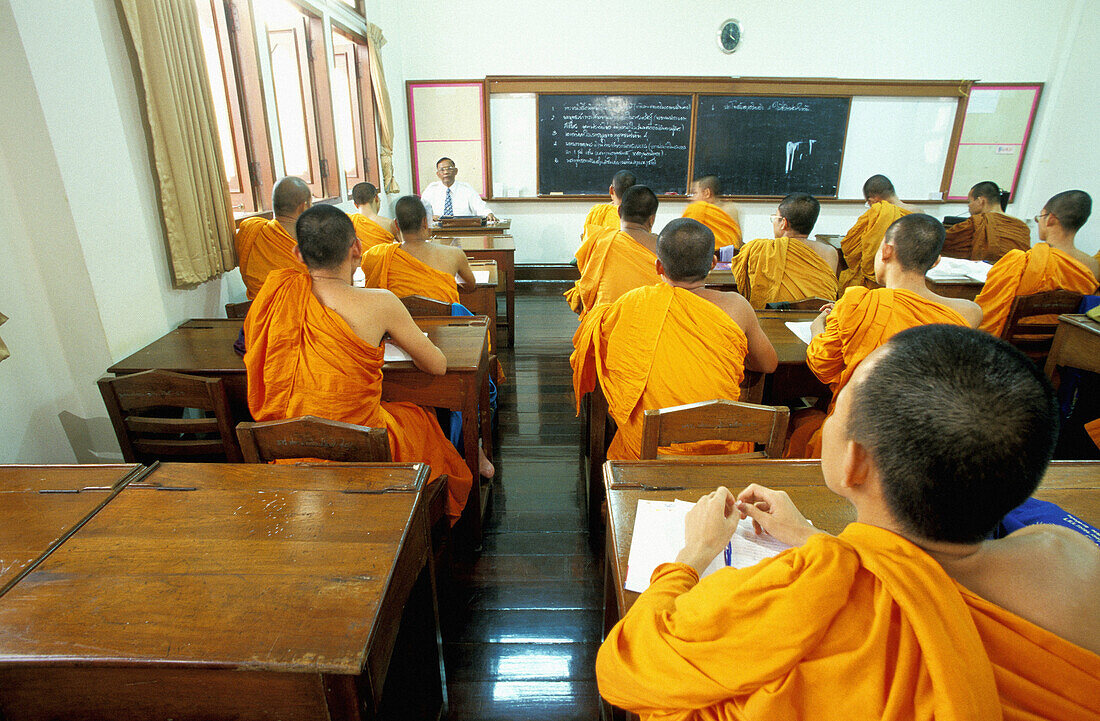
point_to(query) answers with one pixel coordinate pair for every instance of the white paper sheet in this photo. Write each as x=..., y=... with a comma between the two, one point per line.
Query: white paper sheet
x=394, y=352
x=801, y=329
x=659, y=536
x=951, y=268
x=481, y=277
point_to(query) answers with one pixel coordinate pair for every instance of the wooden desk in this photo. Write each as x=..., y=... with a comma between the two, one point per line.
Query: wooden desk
x=246, y=591
x=502, y=226
x=499, y=248
x=204, y=346
x=1073, y=485
x=721, y=279
x=961, y=287
x=1076, y=345
x=482, y=298
x=41, y=505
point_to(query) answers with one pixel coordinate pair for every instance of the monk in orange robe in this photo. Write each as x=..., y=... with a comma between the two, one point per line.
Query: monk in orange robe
x=862, y=240
x=370, y=227
x=908, y=614
x=671, y=343
x=612, y=262
x=315, y=348
x=266, y=245
x=1055, y=263
x=707, y=208
x=606, y=215
x=789, y=267
x=988, y=234
x=863, y=319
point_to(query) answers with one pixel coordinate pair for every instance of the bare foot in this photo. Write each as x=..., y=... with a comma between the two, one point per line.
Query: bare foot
x=484, y=465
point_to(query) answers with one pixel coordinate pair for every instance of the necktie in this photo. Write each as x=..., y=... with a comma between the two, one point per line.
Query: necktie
x=448, y=206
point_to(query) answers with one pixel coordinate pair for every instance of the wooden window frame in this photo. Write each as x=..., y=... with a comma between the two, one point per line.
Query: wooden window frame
x=364, y=127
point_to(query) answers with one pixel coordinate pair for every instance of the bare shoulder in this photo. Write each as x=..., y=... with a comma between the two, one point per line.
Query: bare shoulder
x=968, y=309
x=826, y=251
x=1088, y=261
x=732, y=304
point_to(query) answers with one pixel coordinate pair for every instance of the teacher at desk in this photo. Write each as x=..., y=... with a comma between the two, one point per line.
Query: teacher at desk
x=448, y=198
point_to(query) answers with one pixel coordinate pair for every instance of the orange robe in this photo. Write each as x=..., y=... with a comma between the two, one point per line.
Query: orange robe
x=369, y=232
x=1092, y=428
x=1022, y=272
x=986, y=236
x=611, y=263
x=862, y=241
x=395, y=269
x=782, y=269
x=865, y=625
x=860, y=322
x=656, y=347
x=304, y=359
x=725, y=228
x=605, y=215
x=263, y=246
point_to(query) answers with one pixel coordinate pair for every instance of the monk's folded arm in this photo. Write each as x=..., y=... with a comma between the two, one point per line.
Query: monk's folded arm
x=825, y=354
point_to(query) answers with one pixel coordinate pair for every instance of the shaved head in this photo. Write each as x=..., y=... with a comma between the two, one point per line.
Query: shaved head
x=410, y=213
x=289, y=194
x=918, y=239
x=801, y=211
x=325, y=234
x=711, y=183
x=623, y=181
x=1071, y=207
x=685, y=248
x=639, y=204
x=363, y=193
x=877, y=186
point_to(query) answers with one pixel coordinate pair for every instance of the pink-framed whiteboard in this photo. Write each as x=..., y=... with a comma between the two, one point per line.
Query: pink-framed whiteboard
x=996, y=129
x=447, y=119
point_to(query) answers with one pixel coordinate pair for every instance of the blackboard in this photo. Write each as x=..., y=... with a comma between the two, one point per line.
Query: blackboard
x=586, y=139
x=760, y=145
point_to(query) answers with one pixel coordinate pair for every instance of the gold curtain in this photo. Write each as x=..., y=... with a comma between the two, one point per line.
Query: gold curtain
x=375, y=42
x=194, y=195
x=3, y=348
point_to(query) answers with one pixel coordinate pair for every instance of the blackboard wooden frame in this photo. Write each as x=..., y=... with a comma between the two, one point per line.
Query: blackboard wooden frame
x=695, y=86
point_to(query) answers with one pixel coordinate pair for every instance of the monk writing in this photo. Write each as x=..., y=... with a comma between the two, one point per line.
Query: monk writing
x=864, y=319
x=315, y=348
x=789, y=267
x=671, y=343
x=862, y=240
x=907, y=614
x=606, y=215
x=1054, y=263
x=707, y=207
x=611, y=262
x=370, y=227
x=988, y=233
x=266, y=245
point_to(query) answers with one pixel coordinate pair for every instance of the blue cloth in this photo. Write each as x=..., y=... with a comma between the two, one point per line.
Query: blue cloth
x=454, y=429
x=1033, y=512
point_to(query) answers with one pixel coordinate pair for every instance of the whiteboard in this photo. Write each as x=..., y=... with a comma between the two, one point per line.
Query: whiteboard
x=904, y=138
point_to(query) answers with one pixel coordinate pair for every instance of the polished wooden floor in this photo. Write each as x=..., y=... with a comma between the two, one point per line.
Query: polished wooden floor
x=522, y=623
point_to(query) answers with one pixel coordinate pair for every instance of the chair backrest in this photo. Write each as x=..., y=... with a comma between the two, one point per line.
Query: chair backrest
x=312, y=437
x=146, y=410
x=752, y=387
x=237, y=310
x=418, y=305
x=715, y=420
x=1034, y=337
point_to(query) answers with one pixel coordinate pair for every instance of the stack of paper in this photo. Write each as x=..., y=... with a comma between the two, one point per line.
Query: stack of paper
x=950, y=268
x=801, y=329
x=659, y=537
x=481, y=277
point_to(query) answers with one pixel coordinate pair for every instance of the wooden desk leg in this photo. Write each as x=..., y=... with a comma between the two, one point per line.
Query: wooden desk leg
x=1055, y=355
x=508, y=267
x=485, y=413
x=597, y=454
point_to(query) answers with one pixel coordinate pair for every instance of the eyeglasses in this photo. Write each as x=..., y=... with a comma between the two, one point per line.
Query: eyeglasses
x=776, y=217
x=447, y=168
x=1040, y=216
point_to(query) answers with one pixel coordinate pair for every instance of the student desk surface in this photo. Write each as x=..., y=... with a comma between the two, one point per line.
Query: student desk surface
x=499, y=248
x=1073, y=485
x=204, y=346
x=225, y=591
x=502, y=226
x=482, y=298
x=1076, y=345
x=41, y=505
x=962, y=287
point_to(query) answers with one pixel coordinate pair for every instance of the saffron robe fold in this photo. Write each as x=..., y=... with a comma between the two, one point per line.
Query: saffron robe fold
x=865, y=625
x=725, y=228
x=1027, y=272
x=611, y=263
x=605, y=215
x=656, y=347
x=369, y=232
x=304, y=359
x=263, y=246
x=986, y=236
x=395, y=269
x=860, y=322
x=768, y=270
x=862, y=241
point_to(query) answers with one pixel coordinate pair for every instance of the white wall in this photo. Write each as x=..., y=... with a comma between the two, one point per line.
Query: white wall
x=1033, y=40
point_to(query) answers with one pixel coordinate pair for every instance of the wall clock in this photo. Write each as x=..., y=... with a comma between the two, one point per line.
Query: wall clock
x=729, y=35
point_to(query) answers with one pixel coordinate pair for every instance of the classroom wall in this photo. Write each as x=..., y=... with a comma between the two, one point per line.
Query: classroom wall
x=1033, y=40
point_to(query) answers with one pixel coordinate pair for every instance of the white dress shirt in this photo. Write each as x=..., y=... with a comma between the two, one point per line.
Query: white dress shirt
x=464, y=199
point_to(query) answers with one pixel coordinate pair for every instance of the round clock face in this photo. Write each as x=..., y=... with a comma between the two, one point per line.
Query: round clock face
x=729, y=36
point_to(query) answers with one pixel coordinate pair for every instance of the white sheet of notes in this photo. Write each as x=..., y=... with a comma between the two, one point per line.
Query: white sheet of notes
x=801, y=329
x=481, y=277
x=659, y=536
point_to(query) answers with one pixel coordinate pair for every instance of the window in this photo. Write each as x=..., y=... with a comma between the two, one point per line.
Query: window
x=353, y=104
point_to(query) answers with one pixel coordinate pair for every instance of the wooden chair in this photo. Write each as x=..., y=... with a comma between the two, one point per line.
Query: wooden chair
x=237, y=310
x=312, y=437
x=418, y=305
x=146, y=411
x=715, y=420
x=1034, y=337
